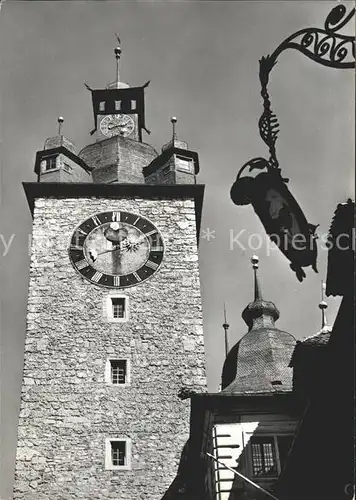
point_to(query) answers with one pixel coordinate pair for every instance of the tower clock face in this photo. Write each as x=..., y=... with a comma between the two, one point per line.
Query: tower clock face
x=116, y=249
x=119, y=124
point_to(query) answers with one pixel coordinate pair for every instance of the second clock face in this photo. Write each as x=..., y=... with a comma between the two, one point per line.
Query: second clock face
x=116, y=249
x=119, y=124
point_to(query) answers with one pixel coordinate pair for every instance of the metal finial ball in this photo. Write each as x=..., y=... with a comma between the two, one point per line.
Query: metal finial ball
x=255, y=260
x=117, y=51
x=323, y=305
x=173, y=119
x=60, y=119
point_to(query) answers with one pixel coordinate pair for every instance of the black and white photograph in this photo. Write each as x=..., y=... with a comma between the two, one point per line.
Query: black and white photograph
x=177, y=249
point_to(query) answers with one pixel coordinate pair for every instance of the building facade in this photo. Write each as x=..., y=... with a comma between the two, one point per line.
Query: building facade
x=111, y=338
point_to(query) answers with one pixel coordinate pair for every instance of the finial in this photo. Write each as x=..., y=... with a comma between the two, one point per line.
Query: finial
x=174, y=121
x=323, y=306
x=117, y=52
x=255, y=261
x=226, y=327
x=60, y=121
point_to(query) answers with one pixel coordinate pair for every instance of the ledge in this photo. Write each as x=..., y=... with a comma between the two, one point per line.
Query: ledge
x=35, y=190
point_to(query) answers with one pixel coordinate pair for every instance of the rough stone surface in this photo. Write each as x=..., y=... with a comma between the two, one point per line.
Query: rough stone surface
x=67, y=171
x=67, y=410
x=118, y=159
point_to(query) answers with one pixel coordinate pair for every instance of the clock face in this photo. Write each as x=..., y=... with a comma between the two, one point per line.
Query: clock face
x=116, y=249
x=118, y=124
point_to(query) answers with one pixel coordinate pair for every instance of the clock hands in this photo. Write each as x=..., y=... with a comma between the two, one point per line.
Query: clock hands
x=127, y=246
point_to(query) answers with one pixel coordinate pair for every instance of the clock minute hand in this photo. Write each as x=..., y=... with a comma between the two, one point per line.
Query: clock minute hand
x=95, y=255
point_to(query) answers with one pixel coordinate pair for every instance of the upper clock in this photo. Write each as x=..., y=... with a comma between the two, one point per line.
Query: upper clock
x=118, y=124
x=116, y=249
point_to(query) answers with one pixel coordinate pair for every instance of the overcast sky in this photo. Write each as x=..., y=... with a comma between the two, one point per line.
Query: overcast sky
x=202, y=60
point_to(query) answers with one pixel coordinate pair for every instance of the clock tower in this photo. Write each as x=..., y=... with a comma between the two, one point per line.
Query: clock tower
x=114, y=324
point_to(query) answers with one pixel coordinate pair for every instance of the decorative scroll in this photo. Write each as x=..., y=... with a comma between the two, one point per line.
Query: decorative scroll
x=268, y=190
x=325, y=46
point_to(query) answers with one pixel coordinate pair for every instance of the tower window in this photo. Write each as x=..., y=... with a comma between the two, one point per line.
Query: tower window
x=118, y=105
x=133, y=105
x=116, y=308
x=118, y=371
x=51, y=163
x=264, y=462
x=118, y=453
x=102, y=106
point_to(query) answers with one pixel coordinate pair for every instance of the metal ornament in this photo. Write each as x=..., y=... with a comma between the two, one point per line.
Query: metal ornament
x=278, y=210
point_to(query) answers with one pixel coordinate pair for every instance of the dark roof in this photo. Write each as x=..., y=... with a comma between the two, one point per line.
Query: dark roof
x=341, y=255
x=262, y=360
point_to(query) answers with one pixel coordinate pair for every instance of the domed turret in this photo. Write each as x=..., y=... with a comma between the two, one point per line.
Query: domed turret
x=259, y=362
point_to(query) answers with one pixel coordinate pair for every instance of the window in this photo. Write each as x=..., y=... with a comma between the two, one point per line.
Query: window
x=118, y=371
x=165, y=171
x=51, y=163
x=102, y=106
x=133, y=105
x=264, y=462
x=118, y=307
x=118, y=453
x=184, y=164
x=67, y=167
x=118, y=105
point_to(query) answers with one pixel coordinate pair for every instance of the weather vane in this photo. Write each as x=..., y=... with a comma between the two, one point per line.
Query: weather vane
x=278, y=210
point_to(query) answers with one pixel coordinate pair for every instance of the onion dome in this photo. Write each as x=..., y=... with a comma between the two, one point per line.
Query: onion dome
x=259, y=362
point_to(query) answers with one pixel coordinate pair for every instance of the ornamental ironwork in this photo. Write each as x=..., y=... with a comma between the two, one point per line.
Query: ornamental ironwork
x=278, y=210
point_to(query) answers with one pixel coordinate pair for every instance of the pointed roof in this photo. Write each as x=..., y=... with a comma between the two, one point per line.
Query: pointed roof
x=259, y=362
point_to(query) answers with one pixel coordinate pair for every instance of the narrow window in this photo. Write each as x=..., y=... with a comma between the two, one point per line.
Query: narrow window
x=102, y=106
x=117, y=453
x=51, y=163
x=118, y=105
x=118, y=307
x=118, y=371
x=133, y=105
x=264, y=463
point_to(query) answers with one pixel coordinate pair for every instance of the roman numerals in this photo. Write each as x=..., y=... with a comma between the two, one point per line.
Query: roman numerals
x=100, y=250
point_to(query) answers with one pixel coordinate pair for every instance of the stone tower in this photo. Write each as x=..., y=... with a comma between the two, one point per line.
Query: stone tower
x=114, y=325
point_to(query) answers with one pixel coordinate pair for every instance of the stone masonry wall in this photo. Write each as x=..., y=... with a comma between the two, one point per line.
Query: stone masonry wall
x=67, y=410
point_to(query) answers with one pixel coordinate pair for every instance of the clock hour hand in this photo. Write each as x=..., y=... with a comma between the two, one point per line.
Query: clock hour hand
x=94, y=254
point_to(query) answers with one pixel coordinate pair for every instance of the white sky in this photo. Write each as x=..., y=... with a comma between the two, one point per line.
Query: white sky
x=202, y=60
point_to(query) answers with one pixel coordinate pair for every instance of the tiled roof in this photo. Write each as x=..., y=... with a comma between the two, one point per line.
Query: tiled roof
x=262, y=361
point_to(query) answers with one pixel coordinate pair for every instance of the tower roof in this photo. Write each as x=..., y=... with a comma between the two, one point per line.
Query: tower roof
x=259, y=362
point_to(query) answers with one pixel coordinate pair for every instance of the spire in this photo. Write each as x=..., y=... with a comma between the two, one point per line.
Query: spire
x=260, y=312
x=117, y=52
x=258, y=293
x=226, y=327
x=174, y=142
x=174, y=121
x=60, y=120
x=117, y=84
x=323, y=306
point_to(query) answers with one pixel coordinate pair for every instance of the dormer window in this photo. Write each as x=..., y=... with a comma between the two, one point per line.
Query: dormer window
x=50, y=163
x=102, y=106
x=184, y=164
